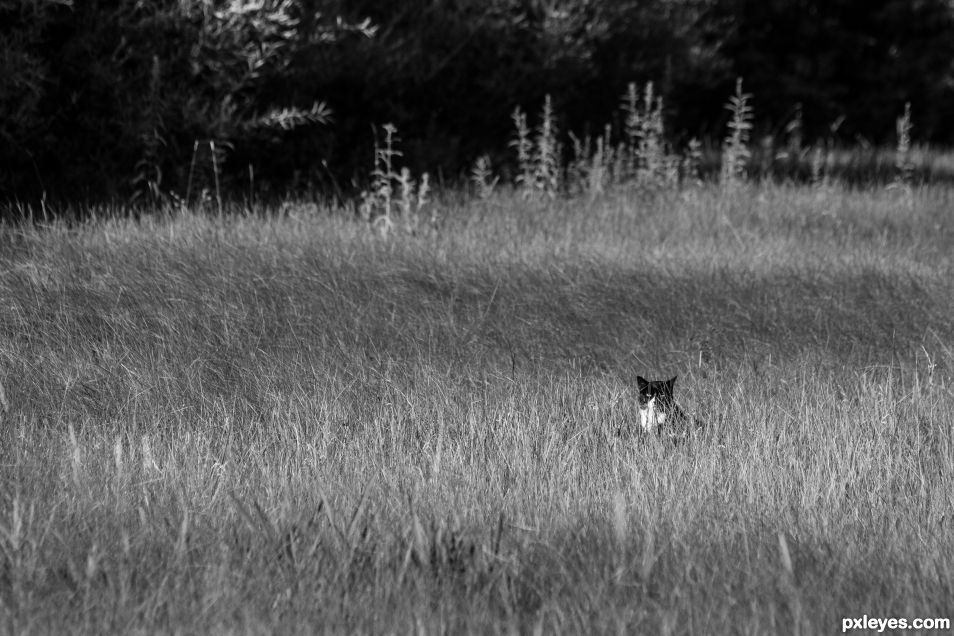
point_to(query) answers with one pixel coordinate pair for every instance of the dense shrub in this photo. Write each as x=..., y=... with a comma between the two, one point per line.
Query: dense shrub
x=110, y=97
x=114, y=95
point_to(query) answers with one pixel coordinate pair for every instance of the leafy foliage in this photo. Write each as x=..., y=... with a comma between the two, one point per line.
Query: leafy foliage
x=735, y=149
x=109, y=97
x=105, y=85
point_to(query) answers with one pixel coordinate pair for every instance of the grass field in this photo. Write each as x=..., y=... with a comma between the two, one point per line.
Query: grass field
x=284, y=423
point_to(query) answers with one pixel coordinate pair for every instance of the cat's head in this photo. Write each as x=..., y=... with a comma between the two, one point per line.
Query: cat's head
x=660, y=390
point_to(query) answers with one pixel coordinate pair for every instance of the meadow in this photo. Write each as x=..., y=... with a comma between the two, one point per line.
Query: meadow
x=284, y=422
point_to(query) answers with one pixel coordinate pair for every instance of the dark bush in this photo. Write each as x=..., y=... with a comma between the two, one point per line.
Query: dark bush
x=106, y=98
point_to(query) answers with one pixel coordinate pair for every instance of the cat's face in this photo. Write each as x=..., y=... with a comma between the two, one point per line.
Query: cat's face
x=660, y=390
x=655, y=398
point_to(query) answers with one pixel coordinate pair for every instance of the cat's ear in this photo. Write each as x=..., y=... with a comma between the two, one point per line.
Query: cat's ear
x=642, y=383
x=670, y=383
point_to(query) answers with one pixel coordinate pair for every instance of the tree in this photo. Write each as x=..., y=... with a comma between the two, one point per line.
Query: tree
x=97, y=87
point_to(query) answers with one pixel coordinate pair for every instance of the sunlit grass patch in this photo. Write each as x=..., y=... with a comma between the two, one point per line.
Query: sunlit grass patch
x=287, y=422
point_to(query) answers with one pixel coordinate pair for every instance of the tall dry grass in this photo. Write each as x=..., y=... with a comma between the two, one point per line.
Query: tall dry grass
x=284, y=423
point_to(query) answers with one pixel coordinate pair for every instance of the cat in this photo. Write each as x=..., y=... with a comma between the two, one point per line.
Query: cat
x=658, y=412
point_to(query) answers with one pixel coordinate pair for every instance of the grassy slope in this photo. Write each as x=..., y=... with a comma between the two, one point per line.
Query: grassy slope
x=284, y=423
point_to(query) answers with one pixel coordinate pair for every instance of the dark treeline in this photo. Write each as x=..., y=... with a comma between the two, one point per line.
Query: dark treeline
x=105, y=98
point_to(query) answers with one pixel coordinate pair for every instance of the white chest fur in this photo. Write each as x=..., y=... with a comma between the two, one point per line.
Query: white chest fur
x=651, y=418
